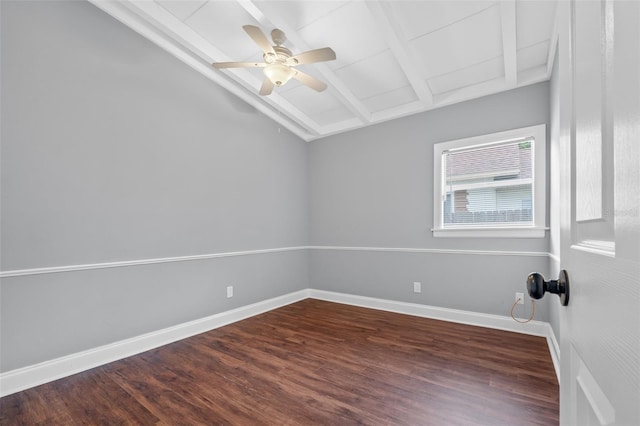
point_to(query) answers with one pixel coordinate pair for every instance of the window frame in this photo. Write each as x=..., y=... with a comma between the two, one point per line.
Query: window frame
x=539, y=186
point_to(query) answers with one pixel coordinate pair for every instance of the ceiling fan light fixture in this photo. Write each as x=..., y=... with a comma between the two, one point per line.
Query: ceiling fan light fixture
x=278, y=73
x=279, y=62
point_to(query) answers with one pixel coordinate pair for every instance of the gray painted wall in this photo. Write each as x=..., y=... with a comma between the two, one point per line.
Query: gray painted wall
x=49, y=316
x=476, y=283
x=373, y=188
x=108, y=139
x=113, y=150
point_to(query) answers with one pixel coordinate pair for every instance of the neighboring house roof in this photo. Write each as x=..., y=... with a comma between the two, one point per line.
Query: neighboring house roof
x=501, y=160
x=526, y=164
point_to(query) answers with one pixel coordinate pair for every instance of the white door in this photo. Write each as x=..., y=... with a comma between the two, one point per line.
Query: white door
x=599, y=139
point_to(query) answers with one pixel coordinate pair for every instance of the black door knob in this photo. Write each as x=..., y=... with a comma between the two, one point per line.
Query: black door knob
x=537, y=286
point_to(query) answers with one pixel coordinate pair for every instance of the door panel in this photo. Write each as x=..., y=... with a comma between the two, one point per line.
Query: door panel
x=599, y=136
x=592, y=405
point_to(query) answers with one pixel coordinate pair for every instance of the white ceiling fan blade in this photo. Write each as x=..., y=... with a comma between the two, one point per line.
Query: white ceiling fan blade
x=267, y=87
x=317, y=55
x=238, y=65
x=307, y=80
x=258, y=36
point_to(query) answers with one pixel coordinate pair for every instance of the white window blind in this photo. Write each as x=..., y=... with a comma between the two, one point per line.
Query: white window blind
x=488, y=185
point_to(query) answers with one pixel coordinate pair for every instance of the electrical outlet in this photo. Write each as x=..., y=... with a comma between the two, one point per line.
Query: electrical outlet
x=417, y=287
x=519, y=298
x=229, y=291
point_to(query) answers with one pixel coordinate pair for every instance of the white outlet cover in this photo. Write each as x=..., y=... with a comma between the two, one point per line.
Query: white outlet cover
x=417, y=287
x=229, y=291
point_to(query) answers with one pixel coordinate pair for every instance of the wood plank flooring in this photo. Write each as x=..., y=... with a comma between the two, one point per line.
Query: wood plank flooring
x=312, y=362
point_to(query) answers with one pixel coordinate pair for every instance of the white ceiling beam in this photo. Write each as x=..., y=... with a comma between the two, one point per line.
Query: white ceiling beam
x=385, y=17
x=336, y=86
x=141, y=23
x=255, y=11
x=340, y=126
x=469, y=92
x=192, y=49
x=509, y=42
x=489, y=87
x=400, y=111
x=533, y=75
x=553, y=44
x=194, y=42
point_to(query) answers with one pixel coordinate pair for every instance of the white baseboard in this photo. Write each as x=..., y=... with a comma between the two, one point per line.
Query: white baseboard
x=554, y=350
x=27, y=377
x=535, y=328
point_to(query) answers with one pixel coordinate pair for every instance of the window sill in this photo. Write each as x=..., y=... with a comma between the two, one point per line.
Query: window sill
x=514, y=232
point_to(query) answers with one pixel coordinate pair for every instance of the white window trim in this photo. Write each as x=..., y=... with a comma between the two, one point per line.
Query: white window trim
x=538, y=229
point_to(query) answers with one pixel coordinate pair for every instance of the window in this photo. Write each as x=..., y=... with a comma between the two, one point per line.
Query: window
x=491, y=185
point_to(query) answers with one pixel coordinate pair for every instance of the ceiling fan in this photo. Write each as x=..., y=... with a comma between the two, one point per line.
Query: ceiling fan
x=279, y=62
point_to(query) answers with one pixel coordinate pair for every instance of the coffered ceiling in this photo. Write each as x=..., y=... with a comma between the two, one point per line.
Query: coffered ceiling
x=394, y=58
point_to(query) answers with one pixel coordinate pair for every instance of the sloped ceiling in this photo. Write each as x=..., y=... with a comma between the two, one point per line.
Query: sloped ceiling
x=394, y=58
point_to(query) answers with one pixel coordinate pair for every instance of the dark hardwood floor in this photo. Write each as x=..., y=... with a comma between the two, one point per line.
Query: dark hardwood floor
x=312, y=362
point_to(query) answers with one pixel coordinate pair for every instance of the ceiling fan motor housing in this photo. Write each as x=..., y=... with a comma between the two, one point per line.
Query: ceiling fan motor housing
x=278, y=36
x=282, y=55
